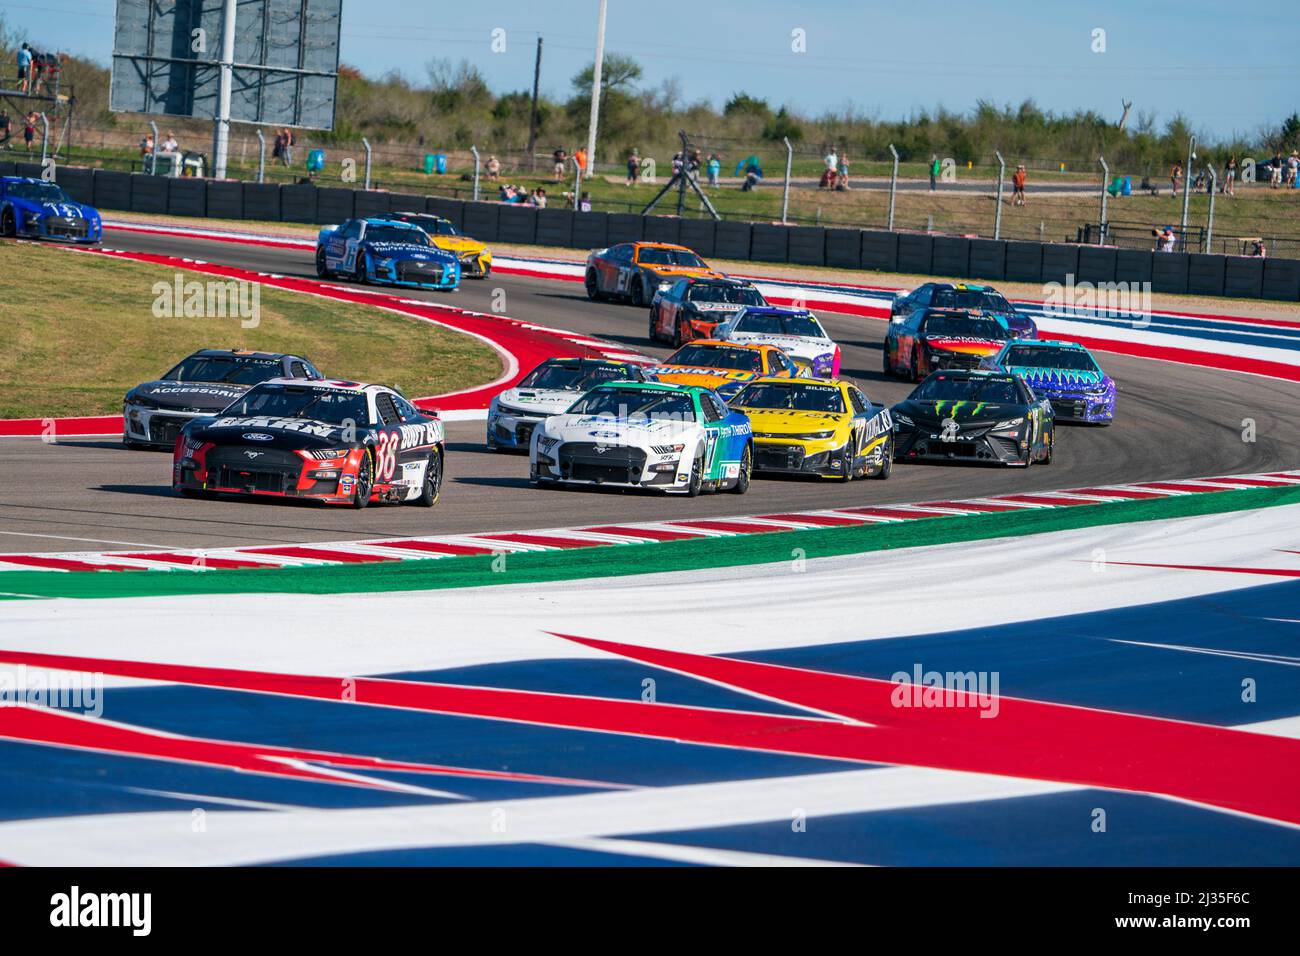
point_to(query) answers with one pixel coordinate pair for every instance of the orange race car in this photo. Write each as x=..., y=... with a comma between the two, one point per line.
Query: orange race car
x=725, y=367
x=635, y=271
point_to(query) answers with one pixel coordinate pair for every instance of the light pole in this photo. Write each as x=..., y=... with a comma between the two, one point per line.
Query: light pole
x=1101, y=225
x=1209, y=222
x=595, y=87
x=1187, y=189
x=1002, y=172
x=893, y=186
x=261, y=155
x=221, y=132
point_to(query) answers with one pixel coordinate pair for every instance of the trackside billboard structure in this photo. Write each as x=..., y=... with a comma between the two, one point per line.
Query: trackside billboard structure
x=253, y=61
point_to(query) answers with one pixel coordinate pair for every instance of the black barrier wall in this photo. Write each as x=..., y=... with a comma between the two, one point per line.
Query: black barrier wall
x=876, y=250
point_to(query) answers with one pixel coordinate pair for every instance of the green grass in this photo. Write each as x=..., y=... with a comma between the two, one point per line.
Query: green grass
x=631, y=559
x=78, y=330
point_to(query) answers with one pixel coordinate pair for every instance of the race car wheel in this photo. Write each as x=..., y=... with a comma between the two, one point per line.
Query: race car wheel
x=8, y=227
x=638, y=294
x=680, y=337
x=321, y=270
x=365, y=480
x=593, y=287
x=886, y=460
x=916, y=369
x=884, y=359
x=654, y=323
x=697, y=478
x=849, y=456
x=746, y=469
x=432, y=489
x=1051, y=445
x=359, y=269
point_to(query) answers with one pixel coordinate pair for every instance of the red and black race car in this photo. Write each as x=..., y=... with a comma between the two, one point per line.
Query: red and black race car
x=341, y=443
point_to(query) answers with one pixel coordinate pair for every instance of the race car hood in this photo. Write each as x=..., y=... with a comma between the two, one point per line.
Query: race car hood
x=201, y=396
x=678, y=272
x=279, y=433
x=716, y=311
x=773, y=421
x=408, y=250
x=607, y=430
x=458, y=244
x=69, y=210
x=539, y=401
x=700, y=375
x=799, y=346
x=964, y=345
x=963, y=412
x=1058, y=379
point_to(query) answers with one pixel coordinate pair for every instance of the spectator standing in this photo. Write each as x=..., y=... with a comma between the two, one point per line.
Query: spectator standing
x=493, y=167
x=715, y=166
x=29, y=130
x=1018, y=186
x=539, y=197
x=1257, y=250
x=934, y=170
x=1176, y=176
x=633, y=166
x=584, y=202
x=1292, y=167
x=277, y=148
x=678, y=164
x=560, y=157
x=693, y=163
x=1275, y=169
x=831, y=159
x=842, y=173
x=6, y=133
x=286, y=153
x=52, y=67
x=24, y=67
x=580, y=157
x=1229, y=175
x=169, y=145
x=1166, y=239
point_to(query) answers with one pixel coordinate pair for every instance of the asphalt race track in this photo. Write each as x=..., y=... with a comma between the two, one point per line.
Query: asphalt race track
x=1173, y=422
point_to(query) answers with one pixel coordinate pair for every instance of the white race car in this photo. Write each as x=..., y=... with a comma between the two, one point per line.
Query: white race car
x=678, y=438
x=794, y=331
x=548, y=390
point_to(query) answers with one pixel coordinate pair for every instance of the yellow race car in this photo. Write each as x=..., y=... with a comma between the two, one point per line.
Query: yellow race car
x=817, y=426
x=724, y=367
x=475, y=257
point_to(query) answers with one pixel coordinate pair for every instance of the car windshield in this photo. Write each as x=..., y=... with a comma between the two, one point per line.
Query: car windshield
x=775, y=323
x=231, y=369
x=793, y=396
x=636, y=403
x=575, y=376
x=965, y=326
x=970, y=299
x=334, y=406
x=1040, y=356
x=433, y=225
x=712, y=356
x=943, y=388
x=38, y=192
x=407, y=234
x=670, y=257
x=732, y=294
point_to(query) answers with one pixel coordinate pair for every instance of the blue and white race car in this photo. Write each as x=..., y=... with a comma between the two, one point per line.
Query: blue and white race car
x=1064, y=373
x=35, y=209
x=385, y=252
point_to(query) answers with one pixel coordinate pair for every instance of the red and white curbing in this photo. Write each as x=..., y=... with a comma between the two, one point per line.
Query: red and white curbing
x=380, y=550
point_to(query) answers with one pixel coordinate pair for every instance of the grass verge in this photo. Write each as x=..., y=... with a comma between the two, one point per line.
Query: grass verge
x=79, y=330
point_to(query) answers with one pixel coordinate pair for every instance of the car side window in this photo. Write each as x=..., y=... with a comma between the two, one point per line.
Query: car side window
x=857, y=400
x=298, y=370
x=404, y=408
x=922, y=296
x=713, y=411
x=352, y=229
x=387, y=410
x=679, y=290
x=781, y=363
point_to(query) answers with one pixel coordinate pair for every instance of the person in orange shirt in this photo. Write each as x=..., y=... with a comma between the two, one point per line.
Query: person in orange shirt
x=1018, y=186
x=580, y=157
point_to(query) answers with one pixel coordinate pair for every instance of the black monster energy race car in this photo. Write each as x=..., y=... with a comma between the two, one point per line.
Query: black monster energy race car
x=974, y=416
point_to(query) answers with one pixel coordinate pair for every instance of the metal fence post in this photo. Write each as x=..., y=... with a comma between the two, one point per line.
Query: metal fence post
x=366, y=143
x=577, y=185
x=1187, y=189
x=785, y=196
x=474, y=150
x=1209, y=222
x=1101, y=223
x=1002, y=172
x=893, y=186
x=261, y=155
x=45, y=138
x=153, y=155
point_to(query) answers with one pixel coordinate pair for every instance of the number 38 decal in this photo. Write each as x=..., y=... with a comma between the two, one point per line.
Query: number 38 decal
x=386, y=455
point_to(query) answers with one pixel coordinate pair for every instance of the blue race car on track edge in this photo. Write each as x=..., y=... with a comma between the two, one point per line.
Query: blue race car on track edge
x=385, y=252
x=35, y=209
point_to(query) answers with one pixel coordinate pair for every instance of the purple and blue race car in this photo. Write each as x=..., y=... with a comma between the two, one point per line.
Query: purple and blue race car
x=1064, y=373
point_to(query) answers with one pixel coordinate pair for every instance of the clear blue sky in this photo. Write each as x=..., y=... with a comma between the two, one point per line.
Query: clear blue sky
x=1227, y=66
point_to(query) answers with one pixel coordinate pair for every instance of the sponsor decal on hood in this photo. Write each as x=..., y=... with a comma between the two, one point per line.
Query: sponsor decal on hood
x=197, y=395
x=1057, y=377
x=67, y=210
x=410, y=250
x=285, y=426
x=967, y=345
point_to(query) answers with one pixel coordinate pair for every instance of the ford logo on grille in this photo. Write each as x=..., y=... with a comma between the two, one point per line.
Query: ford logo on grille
x=603, y=434
x=257, y=436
